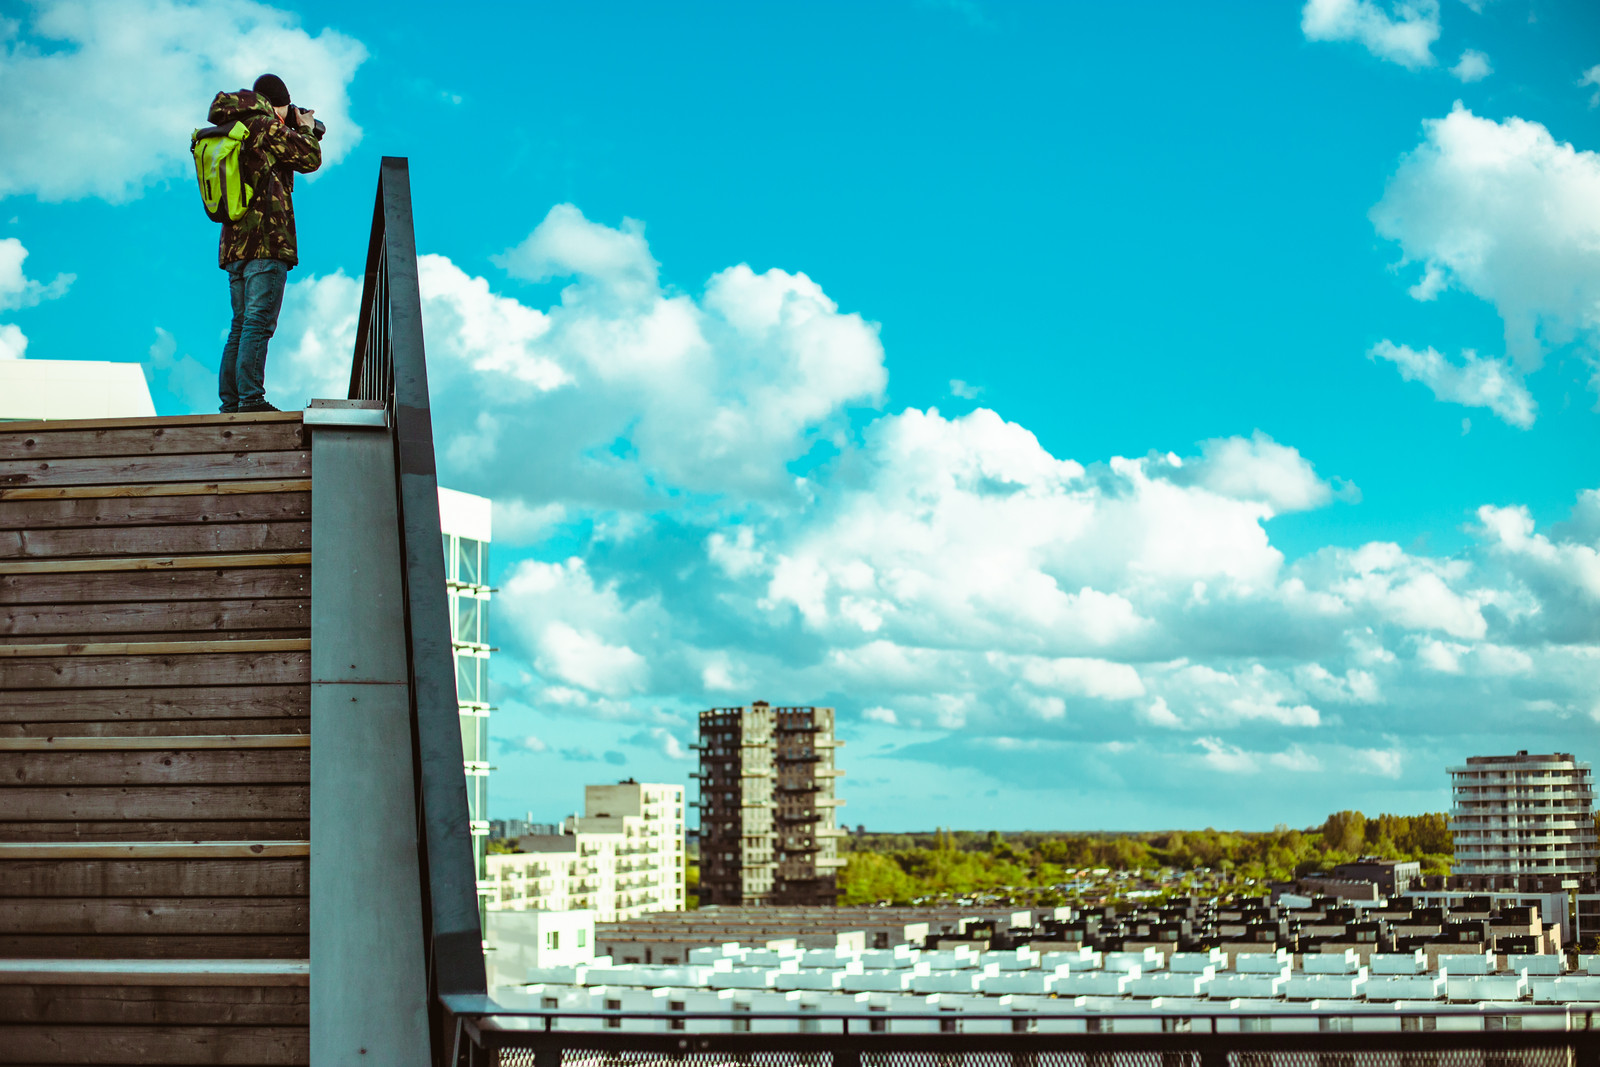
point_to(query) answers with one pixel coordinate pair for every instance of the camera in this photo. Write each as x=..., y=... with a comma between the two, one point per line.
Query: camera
x=317, y=126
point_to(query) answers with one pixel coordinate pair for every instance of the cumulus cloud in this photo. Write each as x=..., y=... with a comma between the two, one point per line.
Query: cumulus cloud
x=1503, y=211
x=1403, y=34
x=181, y=375
x=72, y=128
x=660, y=740
x=1258, y=468
x=1473, y=66
x=1592, y=77
x=627, y=391
x=1475, y=382
x=1034, y=617
x=13, y=342
x=17, y=290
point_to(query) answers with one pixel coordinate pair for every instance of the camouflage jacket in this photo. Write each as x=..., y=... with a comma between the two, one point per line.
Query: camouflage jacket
x=268, y=161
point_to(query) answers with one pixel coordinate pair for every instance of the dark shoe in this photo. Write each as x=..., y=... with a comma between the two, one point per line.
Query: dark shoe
x=259, y=405
x=229, y=409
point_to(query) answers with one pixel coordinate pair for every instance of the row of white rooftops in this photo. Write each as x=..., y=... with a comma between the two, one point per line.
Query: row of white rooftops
x=1212, y=976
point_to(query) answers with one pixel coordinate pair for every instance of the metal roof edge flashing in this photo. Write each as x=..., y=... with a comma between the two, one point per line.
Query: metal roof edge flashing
x=348, y=414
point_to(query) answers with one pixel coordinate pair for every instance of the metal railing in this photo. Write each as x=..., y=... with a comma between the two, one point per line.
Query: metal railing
x=390, y=366
x=488, y=1034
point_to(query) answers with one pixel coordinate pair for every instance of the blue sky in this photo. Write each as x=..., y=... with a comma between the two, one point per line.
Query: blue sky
x=1127, y=416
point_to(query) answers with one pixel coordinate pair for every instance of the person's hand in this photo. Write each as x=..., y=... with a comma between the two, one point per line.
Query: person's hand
x=305, y=117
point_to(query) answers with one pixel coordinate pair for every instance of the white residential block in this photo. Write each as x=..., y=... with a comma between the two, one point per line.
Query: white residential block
x=1486, y=987
x=1302, y=986
x=1261, y=962
x=1397, y=963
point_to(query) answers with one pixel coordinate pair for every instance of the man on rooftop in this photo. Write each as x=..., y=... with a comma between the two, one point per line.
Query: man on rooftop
x=258, y=250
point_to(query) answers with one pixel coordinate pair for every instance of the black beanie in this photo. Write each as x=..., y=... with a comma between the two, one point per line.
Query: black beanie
x=271, y=86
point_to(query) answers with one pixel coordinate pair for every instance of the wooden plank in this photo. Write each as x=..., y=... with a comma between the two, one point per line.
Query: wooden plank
x=204, y=878
x=157, y=802
x=143, y=973
x=108, y=1004
x=156, y=563
x=112, y=470
x=160, y=767
x=302, y=633
x=49, y=620
x=231, y=537
x=158, y=489
x=156, y=916
x=256, y=851
x=154, y=728
x=132, y=744
x=96, y=672
x=138, y=705
x=103, y=513
x=151, y=648
x=144, y=421
x=275, y=436
x=164, y=830
x=155, y=947
x=262, y=1046
x=145, y=586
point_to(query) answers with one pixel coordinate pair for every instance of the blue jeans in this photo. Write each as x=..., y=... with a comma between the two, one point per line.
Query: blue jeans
x=256, y=287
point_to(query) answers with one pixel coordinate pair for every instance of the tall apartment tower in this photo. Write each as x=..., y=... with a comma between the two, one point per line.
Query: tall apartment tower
x=767, y=806
x=464, y=521
x=1518, y=818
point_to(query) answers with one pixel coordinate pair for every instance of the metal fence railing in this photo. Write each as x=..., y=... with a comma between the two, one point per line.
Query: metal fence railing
x=390, y=365
x=486, y=1033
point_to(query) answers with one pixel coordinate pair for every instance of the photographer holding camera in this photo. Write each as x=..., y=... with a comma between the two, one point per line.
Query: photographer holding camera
x=258, y=249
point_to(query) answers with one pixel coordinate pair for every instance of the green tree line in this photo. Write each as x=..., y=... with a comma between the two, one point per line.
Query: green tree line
x=900, y=868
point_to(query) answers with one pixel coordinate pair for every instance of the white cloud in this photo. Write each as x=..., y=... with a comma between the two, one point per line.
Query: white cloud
x=1404, y=34
x=627, y=392
x=1082, y=677
x=948, y=576
x=1230, y=759
x=1475, y=382
x=17, y=290
x=1295, y=758
x=1473, y=66
x=183, y=376
x=965, y=390
x=660, y=740
x=311, y=352
x=1505, y=212
x=1592, y=77
x=13, y=343
x=1385, y=763
x=578, y=632
x=1259, y=468
x=74, y=125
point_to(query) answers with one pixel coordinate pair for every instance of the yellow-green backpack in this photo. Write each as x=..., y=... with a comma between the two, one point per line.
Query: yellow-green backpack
x=223, y=190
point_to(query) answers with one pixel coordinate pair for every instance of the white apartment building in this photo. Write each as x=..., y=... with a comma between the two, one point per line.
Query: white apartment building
x=464, y=523
x=1517, y=818
x=623, y=858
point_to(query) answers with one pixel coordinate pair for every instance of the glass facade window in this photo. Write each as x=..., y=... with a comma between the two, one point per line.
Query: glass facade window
x=466, y=561
x=470, y=688
x=469, y=561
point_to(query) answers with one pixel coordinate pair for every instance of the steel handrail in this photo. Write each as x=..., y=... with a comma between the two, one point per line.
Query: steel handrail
x=390, y=365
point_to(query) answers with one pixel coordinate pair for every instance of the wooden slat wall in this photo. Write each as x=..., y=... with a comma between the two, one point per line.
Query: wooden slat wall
x=143, y=563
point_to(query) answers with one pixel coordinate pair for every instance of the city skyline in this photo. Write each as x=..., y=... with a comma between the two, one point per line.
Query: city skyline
x=1122, y=422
